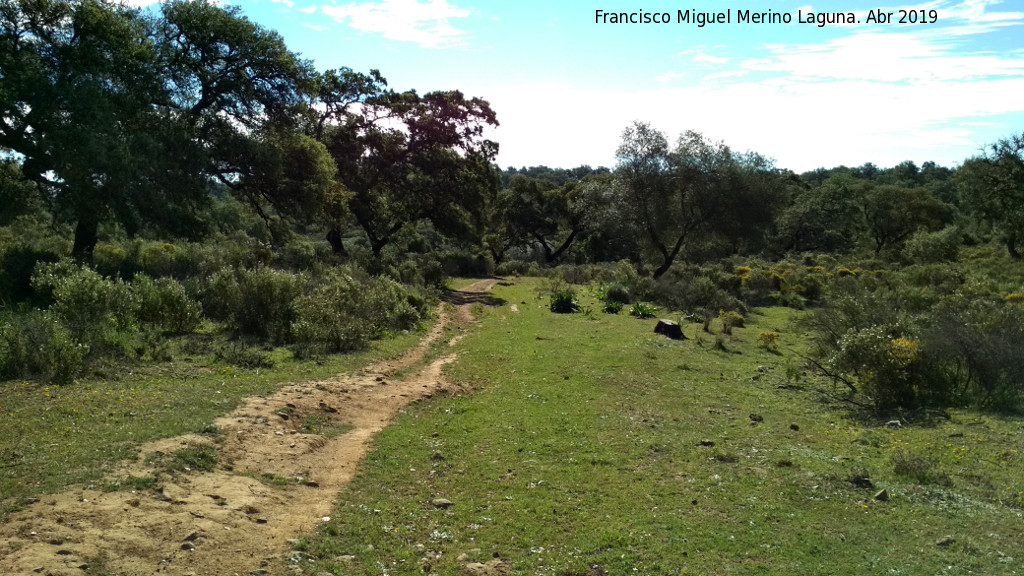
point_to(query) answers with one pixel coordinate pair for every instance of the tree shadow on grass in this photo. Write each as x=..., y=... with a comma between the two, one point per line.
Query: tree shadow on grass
x=460, y=298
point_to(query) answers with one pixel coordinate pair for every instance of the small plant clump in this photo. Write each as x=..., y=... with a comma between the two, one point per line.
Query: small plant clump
x=611, y=307
x=730, y=320
x=769, y=341
x=564, y=302
x=642, y=310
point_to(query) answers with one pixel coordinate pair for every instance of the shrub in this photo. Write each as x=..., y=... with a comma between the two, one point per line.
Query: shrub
x=791, y=300
x=932, y=247
x=564, y=302
x=730, y=320
x=258, y=302
x=349, y=309
x=617, y=293
x=88, y=304
x=243, y=356
x=163, y=303
x=17, y=264
x=512, y=268
x=692, y=289
x=919, y=468
x=35, y=343
x=642, y=310
x=769, y=341
x=611, y=307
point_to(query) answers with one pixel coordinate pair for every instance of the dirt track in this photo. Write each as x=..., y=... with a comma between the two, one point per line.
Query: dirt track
x=229, y=522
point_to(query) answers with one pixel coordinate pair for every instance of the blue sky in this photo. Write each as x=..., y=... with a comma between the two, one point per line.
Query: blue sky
x=564, y=87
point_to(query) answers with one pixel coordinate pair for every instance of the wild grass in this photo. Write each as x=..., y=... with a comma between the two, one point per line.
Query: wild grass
x=592, y=441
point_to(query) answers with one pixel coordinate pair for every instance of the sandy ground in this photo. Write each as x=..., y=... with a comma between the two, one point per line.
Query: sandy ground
x=229, y=521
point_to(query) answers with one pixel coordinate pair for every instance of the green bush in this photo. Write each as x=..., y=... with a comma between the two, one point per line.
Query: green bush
x=642, y=310
x=164, y=304
x=349, y=309
x=91, y=306
x=933, y=247
x=730, y=320
x=243, y=356
x=33, y=343
x=617, y=293
x=906, y=347
x=258, y=302
x=611, y=307
x=564, y=302
x=692, y=289
x=512, y=268
x=17, y=263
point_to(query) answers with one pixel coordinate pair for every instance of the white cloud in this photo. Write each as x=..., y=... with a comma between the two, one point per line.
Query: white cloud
x=702, y=57
x=802, y=125
x=883, y=57
x=726, y=74
x=423, y=22
x=287, y=3
x=308, y=9
x=670, y=77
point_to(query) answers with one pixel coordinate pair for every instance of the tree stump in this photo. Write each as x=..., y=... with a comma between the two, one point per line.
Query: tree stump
x=670, y=329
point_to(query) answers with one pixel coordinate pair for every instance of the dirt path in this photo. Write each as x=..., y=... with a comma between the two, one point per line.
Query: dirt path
x=229, y=522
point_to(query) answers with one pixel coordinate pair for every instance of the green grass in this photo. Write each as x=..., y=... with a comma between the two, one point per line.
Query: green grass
x=593, y=441
x=194, y=457
x=55, y=436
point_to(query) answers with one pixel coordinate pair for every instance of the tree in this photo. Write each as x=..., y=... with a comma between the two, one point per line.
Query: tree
x=992, y=188
x=696, y=191
x=18, y=195
x=824, y=218
x=406, y=157
x=539, y=212
x=893, y=213
x=126, y=118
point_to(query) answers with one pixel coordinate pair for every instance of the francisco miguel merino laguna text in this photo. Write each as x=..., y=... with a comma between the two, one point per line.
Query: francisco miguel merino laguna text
x=769, y=17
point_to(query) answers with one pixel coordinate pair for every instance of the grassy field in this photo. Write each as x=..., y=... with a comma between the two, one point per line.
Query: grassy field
x=55, y=436
x=593, y=445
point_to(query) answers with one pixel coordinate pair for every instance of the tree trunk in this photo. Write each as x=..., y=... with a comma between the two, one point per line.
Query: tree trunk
x=669, y=257
x=552, y=256
x=337, y=246
x=85, y=239
x=1011, y=245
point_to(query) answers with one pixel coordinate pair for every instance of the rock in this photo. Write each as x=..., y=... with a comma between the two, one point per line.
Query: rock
x=188, y=546
x=344, y=558
x=670, y=329
x=261, y=520
x=794, y=427
x=756, y=418
x=894, y=424
x=945, y=541
x=862, y=481
x=882, y=495
x=493, y=568
x=441, y=502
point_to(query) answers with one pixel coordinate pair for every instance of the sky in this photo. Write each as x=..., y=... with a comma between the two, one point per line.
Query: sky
x=564, y=85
